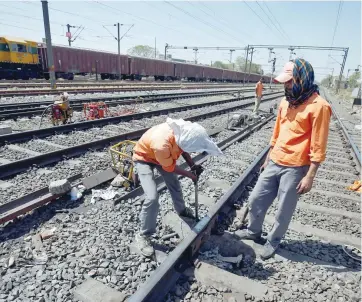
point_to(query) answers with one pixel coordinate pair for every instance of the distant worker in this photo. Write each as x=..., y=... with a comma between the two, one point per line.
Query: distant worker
x=298, y=146
x=159, y=148
x=258, y=95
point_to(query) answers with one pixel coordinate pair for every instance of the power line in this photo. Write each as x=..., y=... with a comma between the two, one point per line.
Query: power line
x=226, y=24
x=337, y=21
x=141, y=18
x=265, y=3
x=27, y=28
x=196, y=18
x=255, y=13
x=270, y=20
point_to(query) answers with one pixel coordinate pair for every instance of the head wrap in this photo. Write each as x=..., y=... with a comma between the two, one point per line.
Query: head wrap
x=192, y=137
x=302, y=83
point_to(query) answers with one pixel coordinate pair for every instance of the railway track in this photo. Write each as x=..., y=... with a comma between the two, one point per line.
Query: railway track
x=32, y=155
x=48, y=91
x=74, y=222
x=318, y=258
x=312, y=264
x=29, y=109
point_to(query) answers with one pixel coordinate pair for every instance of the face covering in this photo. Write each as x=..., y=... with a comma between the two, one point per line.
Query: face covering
x=192, y=137
x=302, y=84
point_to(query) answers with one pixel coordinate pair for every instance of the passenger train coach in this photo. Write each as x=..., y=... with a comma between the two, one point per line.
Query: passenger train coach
x=24, y=59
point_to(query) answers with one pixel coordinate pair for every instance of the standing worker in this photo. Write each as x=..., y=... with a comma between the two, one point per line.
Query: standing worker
x=258, y=94
x=159, y=148
x=298, y=146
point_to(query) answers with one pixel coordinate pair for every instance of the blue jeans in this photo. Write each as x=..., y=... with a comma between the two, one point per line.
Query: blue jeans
x=275, y=181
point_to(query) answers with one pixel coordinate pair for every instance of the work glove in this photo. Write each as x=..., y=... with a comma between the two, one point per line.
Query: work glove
x=197, y=170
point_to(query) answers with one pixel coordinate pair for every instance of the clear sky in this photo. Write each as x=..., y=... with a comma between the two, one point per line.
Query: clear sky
x=199, y=23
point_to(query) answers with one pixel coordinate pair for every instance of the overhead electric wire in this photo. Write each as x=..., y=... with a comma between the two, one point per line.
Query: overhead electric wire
x=198, y=19
x=276, y=20
x=271, y=20
x=134, y=16
x=255, y=13
x=335, y=26
x=226, y=24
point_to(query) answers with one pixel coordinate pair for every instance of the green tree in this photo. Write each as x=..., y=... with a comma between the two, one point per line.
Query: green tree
x=143, y=51
x=240, y=66
x=327, y=81
x=353, y=79
x=219, y=64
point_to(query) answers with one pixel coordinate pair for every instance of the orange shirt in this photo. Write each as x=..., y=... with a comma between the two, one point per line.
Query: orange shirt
x=300, y=134
x=259, y=89
x=158, y=146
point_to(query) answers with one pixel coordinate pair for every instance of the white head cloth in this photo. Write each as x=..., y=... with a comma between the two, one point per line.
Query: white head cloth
x=192, y=137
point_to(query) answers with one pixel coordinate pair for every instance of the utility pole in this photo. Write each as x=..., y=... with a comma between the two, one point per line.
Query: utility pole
x=273, y=70
x=231, y=56
x=195, y=50
x=166, y=46
x=246, y=64
x=155, y=49
x=69, y=34
x=251, y=61
x=291, y=54
x=48, y=38
x=342, y=68
x=119, y=52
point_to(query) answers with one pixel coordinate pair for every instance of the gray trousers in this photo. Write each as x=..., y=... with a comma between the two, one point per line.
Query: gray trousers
x=275, y=181
x=257, y=103
x=150, y=207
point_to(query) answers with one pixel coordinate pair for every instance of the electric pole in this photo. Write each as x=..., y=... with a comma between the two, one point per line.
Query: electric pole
x=119, y=51
x=155, y=49
x=251, y=61
x=195, y=50
x=231, y=56
x=48, y=38
x=69, y=34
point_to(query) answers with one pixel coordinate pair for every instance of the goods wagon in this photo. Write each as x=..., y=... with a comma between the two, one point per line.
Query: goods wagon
x=69, y=61
x=212, y=74
x=230, y=76
x=189, y=72
x=25, y=59
x=143, y=67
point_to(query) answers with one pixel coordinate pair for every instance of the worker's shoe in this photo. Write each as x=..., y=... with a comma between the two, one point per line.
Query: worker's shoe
x=144, y=244
x=247, y=235
x=188, y=213
x=268, y=250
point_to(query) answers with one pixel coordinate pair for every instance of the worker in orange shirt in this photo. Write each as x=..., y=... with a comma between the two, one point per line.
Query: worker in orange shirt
x=258, y=95
x=159, y=148
x=297, y=147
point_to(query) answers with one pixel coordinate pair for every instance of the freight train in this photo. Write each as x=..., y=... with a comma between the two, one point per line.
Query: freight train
x=24, y=59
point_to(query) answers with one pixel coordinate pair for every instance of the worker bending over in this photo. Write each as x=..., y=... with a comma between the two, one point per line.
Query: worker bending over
x=159, y=148
x=258, y=94
x=298, y=146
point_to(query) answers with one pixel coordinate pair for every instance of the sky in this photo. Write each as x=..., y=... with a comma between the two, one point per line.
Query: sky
x=230, y=24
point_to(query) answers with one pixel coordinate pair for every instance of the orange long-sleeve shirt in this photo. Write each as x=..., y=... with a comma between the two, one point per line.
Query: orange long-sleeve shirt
x=158, y=146
x=300, y=134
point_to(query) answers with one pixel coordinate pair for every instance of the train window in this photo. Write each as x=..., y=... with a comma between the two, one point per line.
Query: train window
x=34, y=50
x=4, y=47
x=21, y=48
x=14, y=47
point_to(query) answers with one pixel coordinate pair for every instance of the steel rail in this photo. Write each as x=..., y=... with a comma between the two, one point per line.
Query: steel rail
x=29, y=112
x=356, y=153
x=16, y=167
x=27, y=135
x=24, y=204
x=7, y=93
